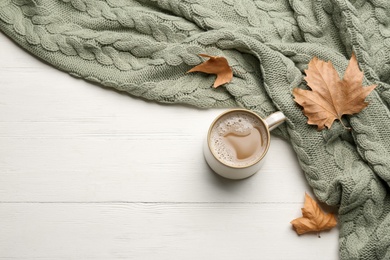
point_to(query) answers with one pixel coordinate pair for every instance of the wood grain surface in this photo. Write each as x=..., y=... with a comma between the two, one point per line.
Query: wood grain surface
x=90, y=173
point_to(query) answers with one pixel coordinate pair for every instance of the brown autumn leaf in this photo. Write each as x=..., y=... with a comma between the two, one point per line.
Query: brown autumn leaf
x=313, y=218
x=331, y=97
x=215, y=65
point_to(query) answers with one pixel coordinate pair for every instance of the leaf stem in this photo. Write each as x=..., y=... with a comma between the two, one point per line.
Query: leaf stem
x=345, y=127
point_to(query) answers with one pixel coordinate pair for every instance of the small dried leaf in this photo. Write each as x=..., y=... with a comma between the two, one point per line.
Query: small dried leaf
x=215, y=65
x=331, y=97
x=313, y=218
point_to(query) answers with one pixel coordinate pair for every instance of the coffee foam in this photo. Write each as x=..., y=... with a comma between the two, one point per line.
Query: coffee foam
x=239, y=124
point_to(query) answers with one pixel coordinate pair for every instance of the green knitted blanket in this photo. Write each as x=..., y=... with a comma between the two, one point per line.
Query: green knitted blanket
x=145, y=47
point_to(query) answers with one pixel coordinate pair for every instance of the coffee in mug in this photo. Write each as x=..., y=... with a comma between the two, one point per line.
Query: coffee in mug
x=237, y=142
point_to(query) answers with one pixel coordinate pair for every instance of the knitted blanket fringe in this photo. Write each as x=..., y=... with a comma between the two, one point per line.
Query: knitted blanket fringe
x=145, y=47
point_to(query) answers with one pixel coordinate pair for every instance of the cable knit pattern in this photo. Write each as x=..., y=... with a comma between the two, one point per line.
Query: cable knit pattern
x=144, y=48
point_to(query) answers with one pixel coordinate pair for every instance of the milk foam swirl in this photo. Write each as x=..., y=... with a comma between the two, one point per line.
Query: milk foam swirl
x=239, y=125
x=235, y=124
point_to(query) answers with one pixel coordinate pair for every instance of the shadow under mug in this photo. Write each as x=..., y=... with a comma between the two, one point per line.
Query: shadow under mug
x=241, y=172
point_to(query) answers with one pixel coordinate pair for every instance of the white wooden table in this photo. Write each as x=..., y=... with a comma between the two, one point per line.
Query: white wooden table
x=90, y=173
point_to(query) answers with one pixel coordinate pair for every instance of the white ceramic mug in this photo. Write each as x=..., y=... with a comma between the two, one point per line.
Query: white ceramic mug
x=241, y=171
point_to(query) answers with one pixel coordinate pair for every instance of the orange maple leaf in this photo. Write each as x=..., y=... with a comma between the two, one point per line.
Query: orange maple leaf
x=215, y=65
x=313, y=218
x=331, y=97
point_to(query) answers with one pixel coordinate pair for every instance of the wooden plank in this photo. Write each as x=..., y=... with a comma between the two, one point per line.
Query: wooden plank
x=157, y=231
x=110, y=170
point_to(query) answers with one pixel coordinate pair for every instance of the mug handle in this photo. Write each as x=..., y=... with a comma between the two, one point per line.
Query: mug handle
x=274, y=120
